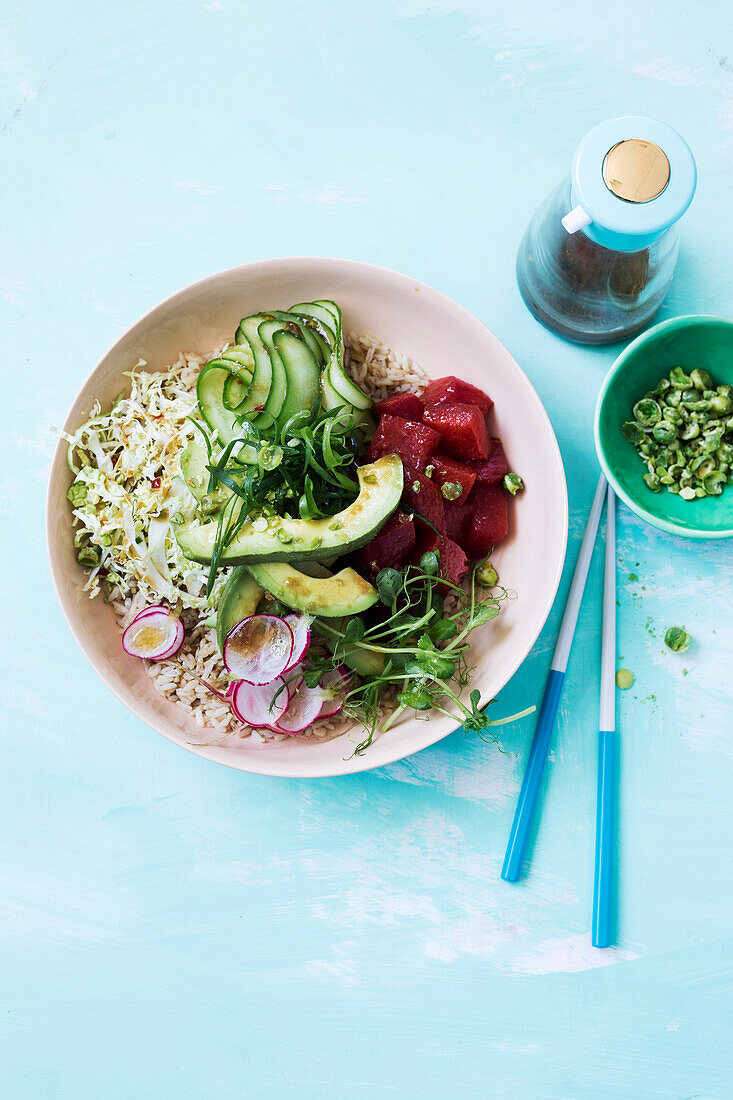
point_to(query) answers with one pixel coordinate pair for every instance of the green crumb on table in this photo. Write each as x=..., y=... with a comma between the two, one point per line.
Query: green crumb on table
x=633, y=576
x=677, y=639
x=685, y=671
x=624, y=679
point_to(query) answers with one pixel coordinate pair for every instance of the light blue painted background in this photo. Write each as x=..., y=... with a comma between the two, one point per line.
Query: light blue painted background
x=173, y=929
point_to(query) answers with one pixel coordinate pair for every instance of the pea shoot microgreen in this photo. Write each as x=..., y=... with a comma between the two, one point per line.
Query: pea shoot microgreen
x=423, y=645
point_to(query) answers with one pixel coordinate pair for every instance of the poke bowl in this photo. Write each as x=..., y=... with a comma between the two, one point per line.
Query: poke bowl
x=285, y=473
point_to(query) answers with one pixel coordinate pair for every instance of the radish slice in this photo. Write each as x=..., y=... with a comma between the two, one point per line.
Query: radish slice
x=302, y=712
x=301, y=628
x=224, y=698
x=155, y=635
x=260, y=704
x=258, y=649
x=153, y=609
x=334, y=686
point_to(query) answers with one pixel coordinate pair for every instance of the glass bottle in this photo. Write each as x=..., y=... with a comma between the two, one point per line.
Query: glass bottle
x=598, y=257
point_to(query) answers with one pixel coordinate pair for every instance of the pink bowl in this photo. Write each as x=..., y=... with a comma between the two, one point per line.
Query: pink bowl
x=444, y=339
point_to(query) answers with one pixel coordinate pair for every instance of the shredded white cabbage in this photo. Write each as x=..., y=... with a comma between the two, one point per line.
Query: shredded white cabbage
x=128, y=487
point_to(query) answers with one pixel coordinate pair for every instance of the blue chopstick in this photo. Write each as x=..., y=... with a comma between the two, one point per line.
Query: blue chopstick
x=524, y=812
x=601, y=932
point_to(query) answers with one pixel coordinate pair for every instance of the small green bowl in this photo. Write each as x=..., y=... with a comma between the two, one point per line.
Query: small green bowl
x=685, y=342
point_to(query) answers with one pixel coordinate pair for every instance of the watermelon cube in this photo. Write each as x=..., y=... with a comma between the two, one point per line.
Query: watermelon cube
x=422, y=495
x=456, y=518
x=449, y=470
x=407, y=405
x=462, y=429
x=487, y=521
x=414, y=443
x=491, y=470
x=452, y=560
x=455, y=389
x=390, y=547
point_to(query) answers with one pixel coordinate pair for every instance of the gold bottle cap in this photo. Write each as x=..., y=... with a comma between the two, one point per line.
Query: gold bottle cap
x=636, y=170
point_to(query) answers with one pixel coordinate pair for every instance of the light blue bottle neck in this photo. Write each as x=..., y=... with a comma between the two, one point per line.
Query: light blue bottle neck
x=616, y=242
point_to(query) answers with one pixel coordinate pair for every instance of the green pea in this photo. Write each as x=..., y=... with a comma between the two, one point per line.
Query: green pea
x=711, y=440
x=664, y=432
x=486, y=574
x=699, y=491
x=714, y=482
x=703, y=466
x=677, y=639
x=724, y=452
x=77, y=494
x=451, y=490
x=690, y=431
x=679, y=379
x=697, y=408
x=721, y=405
x=89, y=557
x=673, y=398
x=647, y=412
x=512, y=483
x=700, y=379
x=662, y=386
x=653, y=482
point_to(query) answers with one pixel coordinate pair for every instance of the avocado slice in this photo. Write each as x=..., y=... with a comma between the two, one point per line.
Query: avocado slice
x=343, y=593
x=195, y=470
x=238, y=600
x=307, y=539
x=364, y=661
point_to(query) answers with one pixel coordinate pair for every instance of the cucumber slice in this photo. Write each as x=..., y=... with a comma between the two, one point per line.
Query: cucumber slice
x=319, y=313
x=329, y=315
x=237, y=385
x=330, y=399
x=265, y=364
x=210, y=393
x=331, y=307
x=297, y=325
x=303, y=374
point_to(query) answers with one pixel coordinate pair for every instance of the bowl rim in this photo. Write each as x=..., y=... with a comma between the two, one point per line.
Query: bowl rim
x=269, y=767
x=685, y=320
